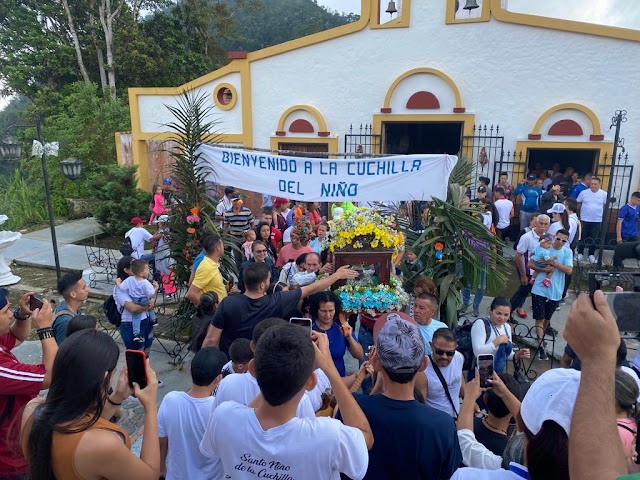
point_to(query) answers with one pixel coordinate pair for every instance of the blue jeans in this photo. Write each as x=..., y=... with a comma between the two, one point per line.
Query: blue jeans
x=365, y=338
x=136, y=317
x=479, y=293
x=146, y=329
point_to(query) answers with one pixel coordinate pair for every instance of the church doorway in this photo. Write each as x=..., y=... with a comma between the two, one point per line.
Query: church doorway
x=406, y=138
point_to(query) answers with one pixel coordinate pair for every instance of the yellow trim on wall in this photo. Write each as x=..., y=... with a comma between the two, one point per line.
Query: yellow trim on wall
x=433, y=71
x=332, y=142
x=450, y=15
x=569, y=106
x=314, y=112
x=234, y=96
x=603, y=147
x=504, y=15
x=402, y=21
x=468, y=120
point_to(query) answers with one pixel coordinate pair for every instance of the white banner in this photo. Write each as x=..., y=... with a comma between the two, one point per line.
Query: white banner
x=401, y=177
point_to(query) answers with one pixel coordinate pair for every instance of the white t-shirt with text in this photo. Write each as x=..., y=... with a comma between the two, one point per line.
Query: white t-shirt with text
x=302, y=448
x=592, y=205
x=184, y=419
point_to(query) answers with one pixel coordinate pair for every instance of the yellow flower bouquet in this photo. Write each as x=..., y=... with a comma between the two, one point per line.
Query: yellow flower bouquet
x=364, y=229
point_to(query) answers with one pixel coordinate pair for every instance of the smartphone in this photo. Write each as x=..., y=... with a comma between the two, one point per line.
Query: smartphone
x=303, y=322
x=624, y=304
x=485, y=369
x=136, y=367
x=34, y=302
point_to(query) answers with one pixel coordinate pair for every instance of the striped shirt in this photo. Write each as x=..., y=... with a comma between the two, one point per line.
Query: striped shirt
x=238, y=222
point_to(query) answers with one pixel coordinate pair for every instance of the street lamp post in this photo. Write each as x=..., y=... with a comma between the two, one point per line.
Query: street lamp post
x=618, y=119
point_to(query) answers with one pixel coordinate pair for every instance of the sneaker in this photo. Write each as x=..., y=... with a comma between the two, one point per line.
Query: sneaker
x=542, y=354
x=580, y=257
x=137, y=338
x=550, y=331
x=546, y=282
x=160, y=384
x=592, y=259
x=562, y=302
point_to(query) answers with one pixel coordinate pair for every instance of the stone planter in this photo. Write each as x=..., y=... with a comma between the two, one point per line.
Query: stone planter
x=80, y=207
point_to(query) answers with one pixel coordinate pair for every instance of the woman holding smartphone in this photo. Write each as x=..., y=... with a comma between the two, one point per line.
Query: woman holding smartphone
x=325, y=309
x=492, y=335
x=68, y=434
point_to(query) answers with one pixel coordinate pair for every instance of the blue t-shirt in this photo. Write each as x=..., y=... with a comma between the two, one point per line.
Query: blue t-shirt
x=197, y=261
x=564, y=256
x=338, y=344
x=427, y=333
x=629, y=216
x=576, y=189
x=412, y=440
x=531, y=197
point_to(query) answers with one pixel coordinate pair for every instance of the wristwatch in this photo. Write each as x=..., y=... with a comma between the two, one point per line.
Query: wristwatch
x=16, y=314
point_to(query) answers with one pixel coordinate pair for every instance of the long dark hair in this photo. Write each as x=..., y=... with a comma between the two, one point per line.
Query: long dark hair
x=124, y=262
x=268, y=243
x=564, y=219
x=76, y=397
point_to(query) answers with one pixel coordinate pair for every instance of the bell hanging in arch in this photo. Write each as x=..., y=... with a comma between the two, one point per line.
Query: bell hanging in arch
x=391, y=8
x=471, y=5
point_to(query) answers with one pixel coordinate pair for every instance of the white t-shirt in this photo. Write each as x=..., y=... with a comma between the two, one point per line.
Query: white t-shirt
x=452, y=374
x=286, y=236
x=592, y=205
x=303, y=448
x=315, y=395
x=555, y=226
x=504, y=207
x=138, y=287
x=573, y=228
x=528, y=243
x=486, y=219
x=243, y=388
x=480, y=474
x=138, y=236
x=184, y=419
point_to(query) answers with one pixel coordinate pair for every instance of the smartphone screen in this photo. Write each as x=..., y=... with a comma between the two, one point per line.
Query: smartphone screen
x=136, y=367
x=485, y=369
x=303, y=322
x=34, y=302
x=625, y=307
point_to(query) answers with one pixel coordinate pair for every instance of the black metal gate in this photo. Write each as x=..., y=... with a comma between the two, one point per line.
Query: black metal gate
x=484, y=149
x=620, y=179
x=362, y=141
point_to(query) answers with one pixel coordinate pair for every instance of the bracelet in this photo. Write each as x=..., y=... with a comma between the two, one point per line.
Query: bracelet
x=16, y=314
x=44, y=333
x=113, y=403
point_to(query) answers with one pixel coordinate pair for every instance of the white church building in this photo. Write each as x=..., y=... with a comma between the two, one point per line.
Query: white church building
x=509, y=90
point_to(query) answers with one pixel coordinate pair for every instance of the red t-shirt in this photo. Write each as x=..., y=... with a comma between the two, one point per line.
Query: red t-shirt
x=22, y=382
x=276, y=237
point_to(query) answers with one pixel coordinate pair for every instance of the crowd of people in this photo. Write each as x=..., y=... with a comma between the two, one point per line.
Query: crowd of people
x=273, y=399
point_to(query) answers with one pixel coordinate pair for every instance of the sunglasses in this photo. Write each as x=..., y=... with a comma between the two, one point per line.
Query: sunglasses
x=448, y=353
x=563, y=240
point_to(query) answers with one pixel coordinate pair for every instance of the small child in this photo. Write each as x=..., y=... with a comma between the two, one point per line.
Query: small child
x=241, y=354
x=539, y=254
x=141, y=291
x=412, y=262
x=250, y=237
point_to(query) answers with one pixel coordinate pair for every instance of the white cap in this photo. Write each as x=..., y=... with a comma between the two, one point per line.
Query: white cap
x=551, y=397
x=557, y=208
x=162, y=219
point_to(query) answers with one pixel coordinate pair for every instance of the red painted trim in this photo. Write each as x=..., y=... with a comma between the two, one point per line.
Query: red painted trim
x=281, y=134
x=566, y=127
x=423, y=101
x=596, y=138
x=237, y=55
x=301, y=126
x=324, y=134
x=385, y=110
x=459, y=109
x=534, y=137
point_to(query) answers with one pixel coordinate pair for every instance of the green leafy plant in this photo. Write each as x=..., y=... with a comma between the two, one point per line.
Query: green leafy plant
x=192, y=127
x=22, y=201
x=467, y=247
x=119, y=198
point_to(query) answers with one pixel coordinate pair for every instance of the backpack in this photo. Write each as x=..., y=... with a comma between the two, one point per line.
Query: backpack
x=126, y=247
x=60, y=313
x=465, y=346
x=112, y=312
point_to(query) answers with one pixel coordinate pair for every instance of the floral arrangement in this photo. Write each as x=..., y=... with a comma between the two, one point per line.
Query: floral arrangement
x=364, y=228
x=302, y=228
x=191, y=250
x=373, y=299
x=193, y=220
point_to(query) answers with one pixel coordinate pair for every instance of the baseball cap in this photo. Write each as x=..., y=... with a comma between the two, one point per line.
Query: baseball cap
x=532, y=176
x=557, y=208
x=229, y=190
x=4, y=293
x=551, y=397
x=279, y=201
x=399, y=343
x=136, y=221
x=167, y=181
x=235, y=197
x=162, y=219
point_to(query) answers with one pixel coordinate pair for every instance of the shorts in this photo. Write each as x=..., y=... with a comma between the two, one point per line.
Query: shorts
x=542, y=307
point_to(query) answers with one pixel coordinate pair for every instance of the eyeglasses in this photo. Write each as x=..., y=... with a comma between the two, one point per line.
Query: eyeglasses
x=563, y=240
x=448, y=353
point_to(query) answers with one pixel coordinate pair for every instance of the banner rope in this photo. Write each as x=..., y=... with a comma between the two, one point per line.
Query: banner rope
x=296, y=153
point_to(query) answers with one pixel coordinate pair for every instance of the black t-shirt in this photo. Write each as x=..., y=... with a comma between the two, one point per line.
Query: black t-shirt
x=412, y=440
x=496, y=442
x=237, y=315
